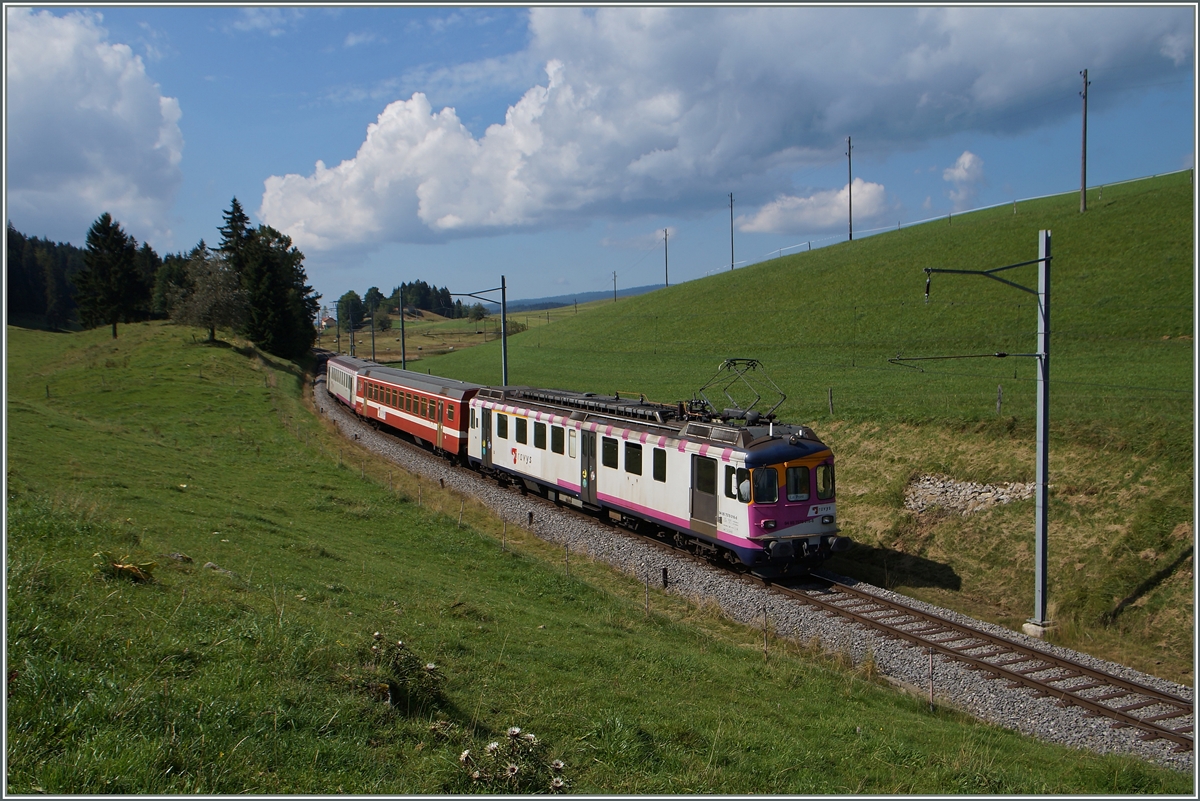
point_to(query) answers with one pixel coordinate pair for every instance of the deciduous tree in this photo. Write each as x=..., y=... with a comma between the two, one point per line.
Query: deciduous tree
x=212, y=295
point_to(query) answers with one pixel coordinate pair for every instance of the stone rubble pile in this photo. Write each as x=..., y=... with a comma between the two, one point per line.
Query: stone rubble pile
x=964, y=497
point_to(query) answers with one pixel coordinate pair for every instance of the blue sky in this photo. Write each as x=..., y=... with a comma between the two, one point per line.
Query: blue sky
x=554, y=145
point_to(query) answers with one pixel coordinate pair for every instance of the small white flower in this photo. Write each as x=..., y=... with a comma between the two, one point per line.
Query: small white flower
x=556, y=783
x=557, y=765
x=430, y=666
x=512, y=770
x=377, y=636
x=529, y=737
x=493, y=747
x=464, y=756
x=475, y=775
x=514, y=732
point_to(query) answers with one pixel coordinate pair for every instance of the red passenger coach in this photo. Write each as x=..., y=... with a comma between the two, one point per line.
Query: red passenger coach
x=431, y=409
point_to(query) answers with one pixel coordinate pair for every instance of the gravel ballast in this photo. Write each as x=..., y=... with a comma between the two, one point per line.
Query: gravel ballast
x=954, y=684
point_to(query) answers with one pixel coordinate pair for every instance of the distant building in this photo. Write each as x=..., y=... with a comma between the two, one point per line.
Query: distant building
x=327, y=323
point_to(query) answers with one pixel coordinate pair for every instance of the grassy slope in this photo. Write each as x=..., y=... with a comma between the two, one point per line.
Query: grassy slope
x=1122, y=367
x=210, y=682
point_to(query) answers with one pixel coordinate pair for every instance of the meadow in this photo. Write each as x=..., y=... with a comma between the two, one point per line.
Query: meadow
x=275, y=552
x=825, y=323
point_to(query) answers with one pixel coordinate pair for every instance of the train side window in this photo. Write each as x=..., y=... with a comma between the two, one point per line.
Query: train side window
x=571, y=444
x=474, y=420
x=450, y=412
x=766, y=485
x=743, y=485
x=660, y=464
x=556, y=439
x=522, y=430
x=539, y=436
x=633, y=458
x=424, y=407
x=730, y=481
x=824, y=481
x=502, y=426
x=609, y=452
x=797, y=484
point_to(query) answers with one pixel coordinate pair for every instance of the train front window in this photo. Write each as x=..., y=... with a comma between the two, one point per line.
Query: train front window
x=743, y=485
x=824, y=481
x=797, y=484
x=766, y=485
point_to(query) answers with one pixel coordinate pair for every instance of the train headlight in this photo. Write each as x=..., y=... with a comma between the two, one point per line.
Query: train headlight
x=827, y=519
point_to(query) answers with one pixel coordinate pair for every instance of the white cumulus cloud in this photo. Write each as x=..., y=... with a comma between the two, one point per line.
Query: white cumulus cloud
x=966, y=175
x=66, y=79
x=819, y=211
x=645, y=110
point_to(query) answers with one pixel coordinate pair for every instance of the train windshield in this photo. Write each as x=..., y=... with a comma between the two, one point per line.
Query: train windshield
x=824, y=481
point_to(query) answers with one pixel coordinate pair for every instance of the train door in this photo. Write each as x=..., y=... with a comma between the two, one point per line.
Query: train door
x=704, y=495
x=485, y=438
x=441, y=409
x=587, y=461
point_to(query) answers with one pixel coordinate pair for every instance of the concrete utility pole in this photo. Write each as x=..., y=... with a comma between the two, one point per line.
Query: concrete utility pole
x=850, y=187
x=1083, y=152
x=666, y=264
x=614, y=286
x=403, y=355
x=731, y=262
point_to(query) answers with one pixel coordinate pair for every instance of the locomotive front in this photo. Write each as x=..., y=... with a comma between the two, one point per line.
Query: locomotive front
x=788, y=484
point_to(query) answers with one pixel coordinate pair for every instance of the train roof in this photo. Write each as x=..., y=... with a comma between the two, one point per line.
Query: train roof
x=422, y=382
x=764, y=444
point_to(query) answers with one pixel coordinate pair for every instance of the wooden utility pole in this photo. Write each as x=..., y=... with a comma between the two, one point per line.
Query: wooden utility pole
x=850, y=187
x=1083, y=150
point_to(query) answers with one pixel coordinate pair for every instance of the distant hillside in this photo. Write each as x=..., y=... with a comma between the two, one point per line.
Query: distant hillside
x=537, y=304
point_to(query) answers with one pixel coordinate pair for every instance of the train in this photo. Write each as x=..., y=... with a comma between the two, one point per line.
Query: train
x=734, y=485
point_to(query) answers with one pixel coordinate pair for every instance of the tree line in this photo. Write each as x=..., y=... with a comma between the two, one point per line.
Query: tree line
x=253, y=283
x=353, y=310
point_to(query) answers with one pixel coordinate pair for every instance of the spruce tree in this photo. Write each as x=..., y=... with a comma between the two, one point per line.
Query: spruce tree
x=109, y=289
x=235, y=233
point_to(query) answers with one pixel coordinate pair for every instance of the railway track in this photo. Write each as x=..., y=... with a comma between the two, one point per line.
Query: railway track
x=1158, y=714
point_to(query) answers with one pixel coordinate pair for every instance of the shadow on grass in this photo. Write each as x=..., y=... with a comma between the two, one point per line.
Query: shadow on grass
x=890, y=569
x=1146, y=586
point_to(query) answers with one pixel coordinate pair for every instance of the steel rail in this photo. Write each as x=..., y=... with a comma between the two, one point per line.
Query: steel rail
x=1019, y=671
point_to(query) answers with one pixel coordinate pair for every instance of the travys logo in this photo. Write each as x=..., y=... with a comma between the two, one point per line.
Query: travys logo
x=514, y=455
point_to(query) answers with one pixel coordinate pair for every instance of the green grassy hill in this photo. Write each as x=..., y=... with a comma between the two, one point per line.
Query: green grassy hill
x=249, y=663
x=1121, y=400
